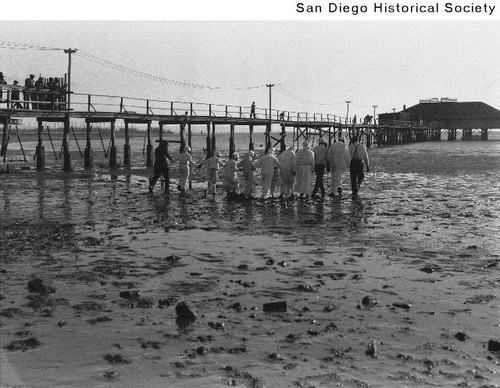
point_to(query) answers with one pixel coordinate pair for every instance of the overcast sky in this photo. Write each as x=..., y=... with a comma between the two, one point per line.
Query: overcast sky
x=312, y=63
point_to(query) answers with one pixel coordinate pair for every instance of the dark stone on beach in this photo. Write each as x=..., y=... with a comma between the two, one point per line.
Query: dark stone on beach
x=494, y=345
x=243, y=267
x=236, y=306
x=24, y=345
x=472, y=247
x=461, y=336
x=202, y=350
x=130, y=295
x=185, y=312
x=216, y=325
x=430, y=269
x=357, y=277
x=405, y=306
x=270, y=261
x=275, y=307
x=275, y=357
x=371, y=350
x=329, y=308
x=173, y=258
x=96, y=320
x=305, y=287
x=36, y=285
x=319, y=263
x=480, y=299
x=110, y=374
x=116, y=359
x=145, y=303
x=369, y=301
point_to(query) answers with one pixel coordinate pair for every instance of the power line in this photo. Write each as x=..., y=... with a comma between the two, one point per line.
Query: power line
x=21, y=46
x=303, y=99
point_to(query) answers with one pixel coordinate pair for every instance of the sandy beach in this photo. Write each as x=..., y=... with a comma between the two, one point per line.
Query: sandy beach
x=398, y=288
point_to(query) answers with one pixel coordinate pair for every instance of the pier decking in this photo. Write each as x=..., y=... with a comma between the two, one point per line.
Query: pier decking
x=96, y=108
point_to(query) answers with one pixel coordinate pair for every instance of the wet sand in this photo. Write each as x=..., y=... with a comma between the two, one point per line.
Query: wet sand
x=398, y=288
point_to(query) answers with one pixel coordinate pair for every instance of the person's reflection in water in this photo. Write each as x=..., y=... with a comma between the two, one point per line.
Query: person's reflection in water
x=41, y=185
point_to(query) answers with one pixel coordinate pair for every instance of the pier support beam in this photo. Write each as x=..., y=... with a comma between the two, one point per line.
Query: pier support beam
x=231, y=140
x=214, y=142
x=484, y=133
x=87, y=155
x=282, y=140
x=40, y=149
x=149, y=147
x=112, y=149
x=65, y=144
x=250, y=144
x=126, y=147
x=209, y=143
x=5, y=137
x=182, y=137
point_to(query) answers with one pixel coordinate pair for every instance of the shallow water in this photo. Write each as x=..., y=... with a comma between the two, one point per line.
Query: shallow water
x=430, y=206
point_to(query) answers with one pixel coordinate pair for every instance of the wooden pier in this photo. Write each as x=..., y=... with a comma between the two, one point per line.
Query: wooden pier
x=98, y=109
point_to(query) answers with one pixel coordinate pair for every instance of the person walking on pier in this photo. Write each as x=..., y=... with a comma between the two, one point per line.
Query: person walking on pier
x=252, y=111
x=304, y=166
x=161, y=166
x=229, y=175
x=246, y=164
x=267, y=164
x=287, y=171
x=337, y=159
x=213, y=164
x=358, y=155
x=185, y=164
x=319, y=167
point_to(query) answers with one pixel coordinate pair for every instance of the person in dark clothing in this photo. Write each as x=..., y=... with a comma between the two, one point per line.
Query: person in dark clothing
x=29, y=87
x=15, y=95
x=319, y=167
x=358, y=155
x=2, y=82
x=160, y=166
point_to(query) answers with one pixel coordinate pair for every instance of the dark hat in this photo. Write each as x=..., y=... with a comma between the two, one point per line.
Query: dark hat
x=354, y=139
x=32, y=75
x=322, y=140
x=1, y=73
x=15, y=82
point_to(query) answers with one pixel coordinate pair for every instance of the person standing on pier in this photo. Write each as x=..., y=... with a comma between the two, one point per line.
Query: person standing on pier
x=252, y=111
x=29, y=90
x=2, y=82
x=161, y=166
x=358, y=155
x=16, y=95
x=337, y=159
x=319, y=167
x=246, y=164
x=304, y=166
x=213, y=164
x=185, y=164
x=267, y=165
x=287, y=171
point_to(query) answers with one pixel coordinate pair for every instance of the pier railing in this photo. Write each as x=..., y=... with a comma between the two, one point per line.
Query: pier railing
x=46, y=100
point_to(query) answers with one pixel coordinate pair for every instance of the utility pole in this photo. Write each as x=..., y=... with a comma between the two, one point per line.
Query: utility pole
x=374, y=121
x=67, y=155
x=347, y=114
x=69, y=52
x=268, y=132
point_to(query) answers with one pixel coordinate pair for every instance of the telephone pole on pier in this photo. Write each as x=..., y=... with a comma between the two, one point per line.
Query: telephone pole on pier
x=347, y=114
x=67, y=155
x=268, y=132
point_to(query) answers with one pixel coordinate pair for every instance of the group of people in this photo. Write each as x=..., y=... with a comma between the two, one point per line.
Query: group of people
x=294, y=169
x=43, y=93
